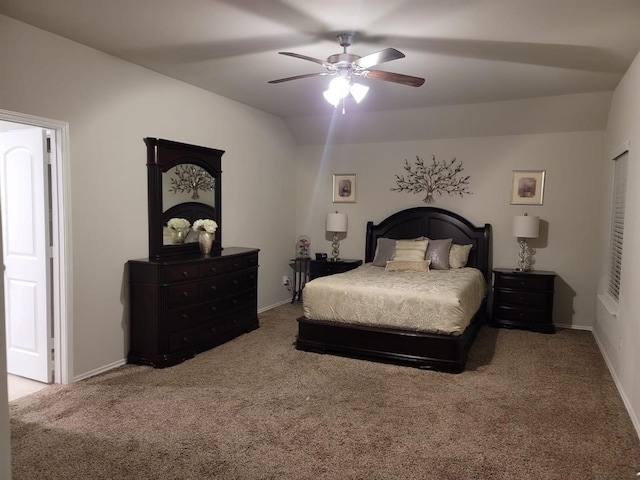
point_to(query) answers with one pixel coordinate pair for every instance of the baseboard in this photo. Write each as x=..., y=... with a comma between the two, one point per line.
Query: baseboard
x=283, y=302
x=574, y=327
x=99, y=370
x=625, y=400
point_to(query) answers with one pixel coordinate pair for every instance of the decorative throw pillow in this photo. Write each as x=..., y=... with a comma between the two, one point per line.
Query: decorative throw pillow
x=385, y=250
x=407, y=266
x=410, y=250
x=458, y=255
x=438, y=253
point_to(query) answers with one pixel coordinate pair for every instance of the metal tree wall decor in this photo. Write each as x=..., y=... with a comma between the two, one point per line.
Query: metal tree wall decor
x=436, y=177
x=191, y=178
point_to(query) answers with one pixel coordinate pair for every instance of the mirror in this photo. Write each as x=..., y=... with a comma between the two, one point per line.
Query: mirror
x=183, y=186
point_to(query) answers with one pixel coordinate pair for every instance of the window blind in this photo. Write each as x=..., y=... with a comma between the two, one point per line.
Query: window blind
x=617, y=223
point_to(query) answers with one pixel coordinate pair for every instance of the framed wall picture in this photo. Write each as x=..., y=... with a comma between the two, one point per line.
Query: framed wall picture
x=527, y=187
x=344, y=188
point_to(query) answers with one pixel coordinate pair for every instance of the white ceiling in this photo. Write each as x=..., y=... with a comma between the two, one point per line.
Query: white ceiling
x=469, y=51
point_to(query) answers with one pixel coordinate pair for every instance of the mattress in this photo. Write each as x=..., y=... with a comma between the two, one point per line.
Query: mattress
x=438, y=301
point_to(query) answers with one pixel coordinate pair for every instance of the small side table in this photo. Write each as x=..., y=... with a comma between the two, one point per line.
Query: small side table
x=328, y=267
x=523, y=299
x=300, y=267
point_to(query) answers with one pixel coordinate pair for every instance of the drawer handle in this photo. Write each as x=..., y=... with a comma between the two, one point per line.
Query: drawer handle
x=236, y=282
x=522, y=283
x=235, y=301
x=185, y=316
x=236, y=265
x=214, y=309
x=521, y=298
x=185, y=294
x=185, y=340
x=214, y=330
x=185, y=274
x=214, y=288
x=214, y=269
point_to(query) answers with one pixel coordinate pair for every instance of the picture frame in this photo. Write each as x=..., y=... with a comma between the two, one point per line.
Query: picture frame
x=527, y=187
x=344, y=188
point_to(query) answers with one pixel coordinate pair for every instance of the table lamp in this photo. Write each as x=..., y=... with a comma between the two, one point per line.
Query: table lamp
x=524, y=227
x=336, y=223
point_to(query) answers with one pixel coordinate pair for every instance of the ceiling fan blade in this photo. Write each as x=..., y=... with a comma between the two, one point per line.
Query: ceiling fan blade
x=377, y=58
x=395, y=78
x=304, y=57
x=298, y=77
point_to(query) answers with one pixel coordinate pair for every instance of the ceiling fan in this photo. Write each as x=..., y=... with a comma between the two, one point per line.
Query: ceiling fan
x=345, y=66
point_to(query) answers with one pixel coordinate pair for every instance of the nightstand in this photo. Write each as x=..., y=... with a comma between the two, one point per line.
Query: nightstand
x=523, y=299
x=328, y=267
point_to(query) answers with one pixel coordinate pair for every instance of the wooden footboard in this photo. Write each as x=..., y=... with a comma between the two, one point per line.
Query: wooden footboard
x=417, y=349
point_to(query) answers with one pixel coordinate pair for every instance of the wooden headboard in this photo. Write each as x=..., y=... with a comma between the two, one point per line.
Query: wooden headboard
x=434, y=223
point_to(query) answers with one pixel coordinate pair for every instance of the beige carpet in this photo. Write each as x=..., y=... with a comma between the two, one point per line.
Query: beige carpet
x=529, y=406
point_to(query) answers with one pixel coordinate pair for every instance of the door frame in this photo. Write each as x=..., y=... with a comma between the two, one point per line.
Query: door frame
x=61, y=242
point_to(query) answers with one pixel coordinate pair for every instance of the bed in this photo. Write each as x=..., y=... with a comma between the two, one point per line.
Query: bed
x=445, y=351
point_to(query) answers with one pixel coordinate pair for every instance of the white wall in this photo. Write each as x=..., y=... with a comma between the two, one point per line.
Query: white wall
x=111, y=106
x=619, y=337
x=571, y=199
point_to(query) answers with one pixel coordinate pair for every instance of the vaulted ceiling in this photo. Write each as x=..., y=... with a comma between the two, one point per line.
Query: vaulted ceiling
x=468, y=51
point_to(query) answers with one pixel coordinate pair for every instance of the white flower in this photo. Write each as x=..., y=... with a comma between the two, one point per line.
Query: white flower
x=205, y=225
x=178, y=223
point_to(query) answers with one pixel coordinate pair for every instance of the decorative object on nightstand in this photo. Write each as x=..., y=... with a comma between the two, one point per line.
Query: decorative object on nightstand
x=526, y=226
x=336, y=223
x=322, y=268
x=523, y=299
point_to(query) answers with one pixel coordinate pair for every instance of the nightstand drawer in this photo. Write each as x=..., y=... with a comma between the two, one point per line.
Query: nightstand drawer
x=529, y=315
x=527, y=282
x=520, y=297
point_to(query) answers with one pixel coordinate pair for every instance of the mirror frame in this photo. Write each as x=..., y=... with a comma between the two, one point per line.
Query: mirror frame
x=162, y=156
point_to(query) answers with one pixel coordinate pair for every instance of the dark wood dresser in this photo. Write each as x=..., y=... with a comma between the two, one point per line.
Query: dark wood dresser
x=523, y=299
x=183, y=305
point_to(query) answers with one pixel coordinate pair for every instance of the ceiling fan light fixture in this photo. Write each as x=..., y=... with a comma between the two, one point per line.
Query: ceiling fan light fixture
x=358, y=91
x=339, y=86
x=331, y=97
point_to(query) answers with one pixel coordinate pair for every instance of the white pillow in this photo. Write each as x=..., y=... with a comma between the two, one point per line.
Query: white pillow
x=407, y=266
x=458, y=255
x=410, y=250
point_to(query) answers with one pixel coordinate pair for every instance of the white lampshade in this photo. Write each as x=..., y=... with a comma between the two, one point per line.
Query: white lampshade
x=336, y=222
x=526, y=226
x=358, y=91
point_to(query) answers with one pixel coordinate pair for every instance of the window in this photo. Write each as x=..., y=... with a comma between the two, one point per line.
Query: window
x=617, y=224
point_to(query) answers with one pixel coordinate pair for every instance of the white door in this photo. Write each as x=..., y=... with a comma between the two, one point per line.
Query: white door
x=25, y=230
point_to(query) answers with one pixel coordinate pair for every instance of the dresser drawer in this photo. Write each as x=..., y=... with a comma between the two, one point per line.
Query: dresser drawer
x=227, y=265
x=182, y=294
x=243, y=299
x=529, y=315
x=188, y=317
x=193, y=337
x=528, y=282
x=521, y=297
x=179, y=273
x=232, y=282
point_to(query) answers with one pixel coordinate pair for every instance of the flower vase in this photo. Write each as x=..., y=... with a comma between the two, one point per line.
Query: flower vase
x=179, y=235
x=205, y=239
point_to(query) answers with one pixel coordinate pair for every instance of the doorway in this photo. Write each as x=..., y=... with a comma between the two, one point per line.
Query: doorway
x=57, y=269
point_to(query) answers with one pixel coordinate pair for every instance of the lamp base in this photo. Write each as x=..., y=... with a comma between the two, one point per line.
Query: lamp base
x=525, y=264
x=335, y=253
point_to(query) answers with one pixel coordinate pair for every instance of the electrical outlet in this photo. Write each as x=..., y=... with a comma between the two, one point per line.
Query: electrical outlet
x=286, y=280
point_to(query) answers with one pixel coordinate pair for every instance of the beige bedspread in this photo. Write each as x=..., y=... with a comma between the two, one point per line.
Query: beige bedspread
x=440, y=301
